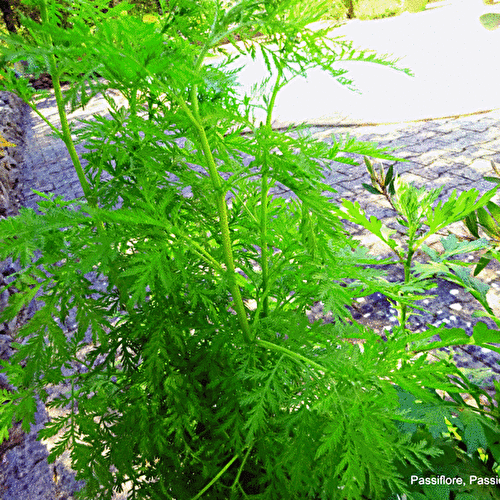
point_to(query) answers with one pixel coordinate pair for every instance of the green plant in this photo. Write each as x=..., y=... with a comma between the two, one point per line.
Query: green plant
x=472, y=448
x=490, y=21
x=363, y=9
x=201, y=350
x=419, y=218
x=378, y=10
x=414, y=5
x=487, y=220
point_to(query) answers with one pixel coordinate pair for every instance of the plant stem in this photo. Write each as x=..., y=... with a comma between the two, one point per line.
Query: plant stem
x=240, y=470
x=264, y=263
x=54, y=129
x=264, y=194
x=403, y=308
x=215, y=479
x=273, y=98
x=195, y=117
x=291, y=354
x=66, y=133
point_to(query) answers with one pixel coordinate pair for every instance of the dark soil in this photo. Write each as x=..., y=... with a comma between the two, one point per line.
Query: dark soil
x=44, y=81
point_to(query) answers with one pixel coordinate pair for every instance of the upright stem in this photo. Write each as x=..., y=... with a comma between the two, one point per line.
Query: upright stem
x=264, y=194
x=195, y=117
x=66, y=133
x=403, y=308
x=263, y=239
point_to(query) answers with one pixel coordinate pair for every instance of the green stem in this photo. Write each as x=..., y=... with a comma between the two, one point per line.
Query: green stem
x=403, y=308
x=203, y=254
x=54, y=129
x=291, y=354
x=240, y=470
x=66, y=133
x=215, y=479
x=195, y=117
x=272, y=101
x=264, y=195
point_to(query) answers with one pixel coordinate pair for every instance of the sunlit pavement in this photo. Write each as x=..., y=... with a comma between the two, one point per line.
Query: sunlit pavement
x=455, y=60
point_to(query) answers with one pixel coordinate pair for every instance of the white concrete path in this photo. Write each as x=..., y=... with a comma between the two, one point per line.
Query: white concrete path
x=455, y=60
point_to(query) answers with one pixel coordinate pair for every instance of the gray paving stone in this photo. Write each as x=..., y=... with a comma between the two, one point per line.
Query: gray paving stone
x=429, y=157
x=492, y=145
x=352, y=186
x=476, y=127
x=460, y=135
x=425, y=134
x=456, y=146
x=443, y=126
x=491, y=133
x=351, y=173
x=433, y=172
x=425, y=147
x=407, y=140
x=454, y=181
x=469, y=154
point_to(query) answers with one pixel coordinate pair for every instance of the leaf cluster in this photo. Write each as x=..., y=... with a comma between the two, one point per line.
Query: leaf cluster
x=190, y=278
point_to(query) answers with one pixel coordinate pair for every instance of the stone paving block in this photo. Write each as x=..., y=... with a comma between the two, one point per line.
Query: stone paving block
x=381, y=212
x=407, y=153
x=434, y=172
x=458, y=135
x=342, y=195
x=432, y=125
x=491, y=133
x=448, y=125
x=429, y=157
x=408, y=140
x=455, y=147
x=476, y=127
x=351, y=185
x=481, y=167
x=474, y=176
x=469, y=154
x=426, y=147
x=492, y=145
x=458, y=229
x=343, y=171
x=424, y=134
x=373, y=243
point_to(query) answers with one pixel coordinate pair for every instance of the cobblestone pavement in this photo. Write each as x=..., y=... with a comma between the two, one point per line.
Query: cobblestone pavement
x=453, y=153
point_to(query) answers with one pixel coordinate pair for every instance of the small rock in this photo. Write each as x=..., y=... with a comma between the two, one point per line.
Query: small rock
x=4, y=299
